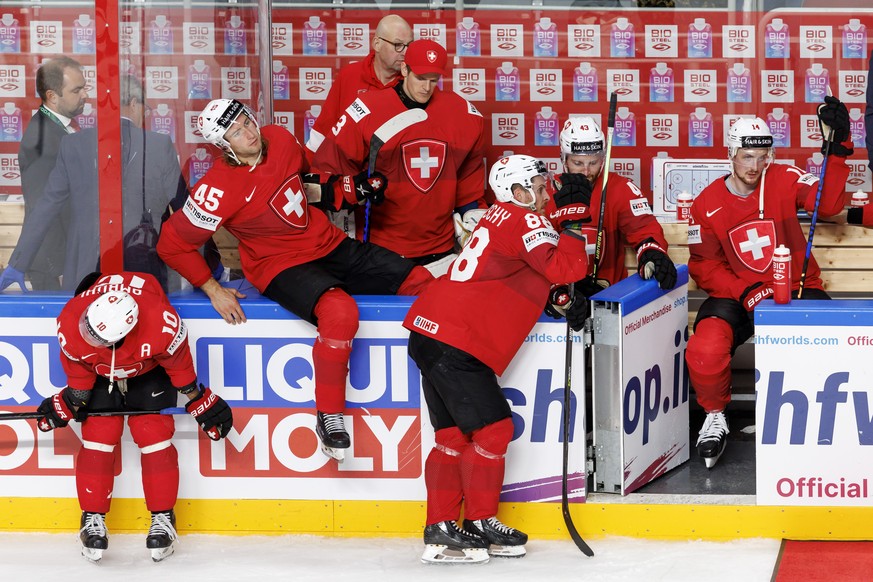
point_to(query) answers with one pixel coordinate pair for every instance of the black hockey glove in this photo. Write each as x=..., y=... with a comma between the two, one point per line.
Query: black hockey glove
x=754, y=294
x=578, y=312
x=652, y=262
x=589, y=286
x=371, y=188
x=574, y=197
x=212, y=413
x=559, y=300
x=834, y=117
x=58, y=411
x=855, y=215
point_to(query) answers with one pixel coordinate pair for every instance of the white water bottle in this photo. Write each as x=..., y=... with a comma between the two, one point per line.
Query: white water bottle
x=782, y=275
x=683, y=206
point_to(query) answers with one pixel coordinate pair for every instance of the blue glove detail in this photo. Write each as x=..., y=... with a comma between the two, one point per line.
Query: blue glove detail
x=10, y=276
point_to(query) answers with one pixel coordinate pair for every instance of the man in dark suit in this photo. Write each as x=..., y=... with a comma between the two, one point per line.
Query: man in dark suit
x=151, y=178
x=61, y=87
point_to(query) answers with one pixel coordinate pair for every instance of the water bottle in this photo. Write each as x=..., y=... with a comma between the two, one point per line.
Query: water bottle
x=782, y=275
x=683, y=206
x=859, y=199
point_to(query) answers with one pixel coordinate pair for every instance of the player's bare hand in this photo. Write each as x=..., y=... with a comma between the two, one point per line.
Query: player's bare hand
x=225, y=301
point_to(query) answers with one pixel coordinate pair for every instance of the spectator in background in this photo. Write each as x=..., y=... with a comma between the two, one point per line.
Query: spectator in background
x=151, y=178
x=435, y=167
x=60, y=85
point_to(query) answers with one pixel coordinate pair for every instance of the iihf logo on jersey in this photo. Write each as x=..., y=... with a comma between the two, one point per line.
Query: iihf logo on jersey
x=423, y=162
x=753, y=243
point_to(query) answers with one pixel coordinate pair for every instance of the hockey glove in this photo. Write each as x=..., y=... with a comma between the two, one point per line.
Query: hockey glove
x=590, y=286
x=10, y=276
x=754, y=294
x=212, y=413
x=654, y=262
x=855, y=215
x=578, y=312
x=559, y=301
x=58, y=410
x=833, y=117
x=371, y=188
x=573, y=199
x=464, y=226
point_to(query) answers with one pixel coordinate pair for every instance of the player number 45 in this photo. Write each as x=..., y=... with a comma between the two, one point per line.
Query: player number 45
x=208, y=197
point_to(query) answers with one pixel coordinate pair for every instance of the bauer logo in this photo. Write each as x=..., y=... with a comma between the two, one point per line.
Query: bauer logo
x=777, y=86
x=662, y=41
x=852, y=86
x=162, y=83
x=314, y=83
x=701, y=86
x=198, y=38
x=584, y=40
x=662, y=130
x=352, y=39
x=469, y=83
x=11, y=81
x=507, y=40
x=546, y=85
x=507, y=129
x=738, y=41
x=282, y=33
x=816, y=42
x=625, y=83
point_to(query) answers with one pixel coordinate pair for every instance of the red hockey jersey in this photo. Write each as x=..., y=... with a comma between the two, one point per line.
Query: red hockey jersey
x=159, y=338
x=432, y=167
x=627, y=220
x=496, y=289
x=265, y=209
x=732, y=248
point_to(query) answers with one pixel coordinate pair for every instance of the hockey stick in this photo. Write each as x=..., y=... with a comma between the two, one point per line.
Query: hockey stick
x=29, y=415
x=821, y=179
x=565, y=502
x=610, y=128
x=381, y=136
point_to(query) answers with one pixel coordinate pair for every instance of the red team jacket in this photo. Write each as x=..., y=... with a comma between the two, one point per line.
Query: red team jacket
x=160, y=338
x=351, y=81
x=507, y=267
x=627, y=219
x=265, y=209
x=731, y=248
x=432, y=167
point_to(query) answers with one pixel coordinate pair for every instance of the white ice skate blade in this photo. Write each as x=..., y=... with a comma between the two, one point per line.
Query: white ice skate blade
x=159, y=554
x=339, y=455
x=439, y=554
x=496, y=551
x=92, y=554
x=711, y=461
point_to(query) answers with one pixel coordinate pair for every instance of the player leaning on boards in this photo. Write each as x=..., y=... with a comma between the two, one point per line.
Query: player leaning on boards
x=512, y=258
x=124, y=348
x=736, y=223
x=291, y=254
x=627, y=218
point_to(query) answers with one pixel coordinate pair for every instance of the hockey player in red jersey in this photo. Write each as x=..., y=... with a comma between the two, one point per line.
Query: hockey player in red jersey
x=508, y=265
x=434, y=167
x=291, y=254
x=627, y=219
x=124, y=348
x=736, y=223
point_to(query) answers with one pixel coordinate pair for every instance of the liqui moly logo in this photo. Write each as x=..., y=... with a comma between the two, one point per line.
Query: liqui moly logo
x=507, y=40
x=129, y=38
x=583, y=40
x=662, y=40
x=625, y=82
x=192, y=132
x=852, y=86
x=627, y=167
x=507, y=129
x=469, y=83
x=859, y=176
x=352, y=39
x=282, y=35
x=11, y=81
x=810, y=132
x=285, y=119
x=701, y=86
x=434, y=32
x=198, y=38
x=162, y=83
x=777, y=86
x=662, y=130
x=10, y=175
x=47, y=37
x=314, y=83
x=236, y=83
x=546, y=85
x=738, y=41
x=816, y=42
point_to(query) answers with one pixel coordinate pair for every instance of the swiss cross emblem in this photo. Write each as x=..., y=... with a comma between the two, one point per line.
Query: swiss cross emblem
x=753, y=243
x=423, y=162
x=590, y=234
x=431, y=56
x=289, y=203
x=120, y=373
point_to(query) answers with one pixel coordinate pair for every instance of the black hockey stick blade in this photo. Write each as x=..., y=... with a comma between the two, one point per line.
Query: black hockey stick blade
x=565, y=500
x=389, y=129
x=29, y=415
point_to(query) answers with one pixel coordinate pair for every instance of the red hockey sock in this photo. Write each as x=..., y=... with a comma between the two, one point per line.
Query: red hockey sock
x=95, y=477
x=337, y=316
x=482, y=468
x=442, y=476
x=160, y=460
x=416, y=281
x=708, y=356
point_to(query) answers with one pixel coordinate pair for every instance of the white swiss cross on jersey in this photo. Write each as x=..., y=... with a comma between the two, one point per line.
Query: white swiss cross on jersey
x=753, y=242
x=289, y=203
x=423, y=161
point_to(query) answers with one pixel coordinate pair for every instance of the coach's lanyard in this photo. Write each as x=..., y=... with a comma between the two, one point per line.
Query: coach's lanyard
x=47, y=112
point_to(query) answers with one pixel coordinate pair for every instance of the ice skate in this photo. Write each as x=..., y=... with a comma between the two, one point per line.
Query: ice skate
x=331, y=431
x=93, y=535
x=713, y=438
x=505, y=541
x=446, y=543
x=162, y=535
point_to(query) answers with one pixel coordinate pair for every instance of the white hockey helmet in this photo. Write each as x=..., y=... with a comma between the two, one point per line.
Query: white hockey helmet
x=217, y=117
x=516, y=169
x=749, y=133
x=109, y=318
x=581, y=136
